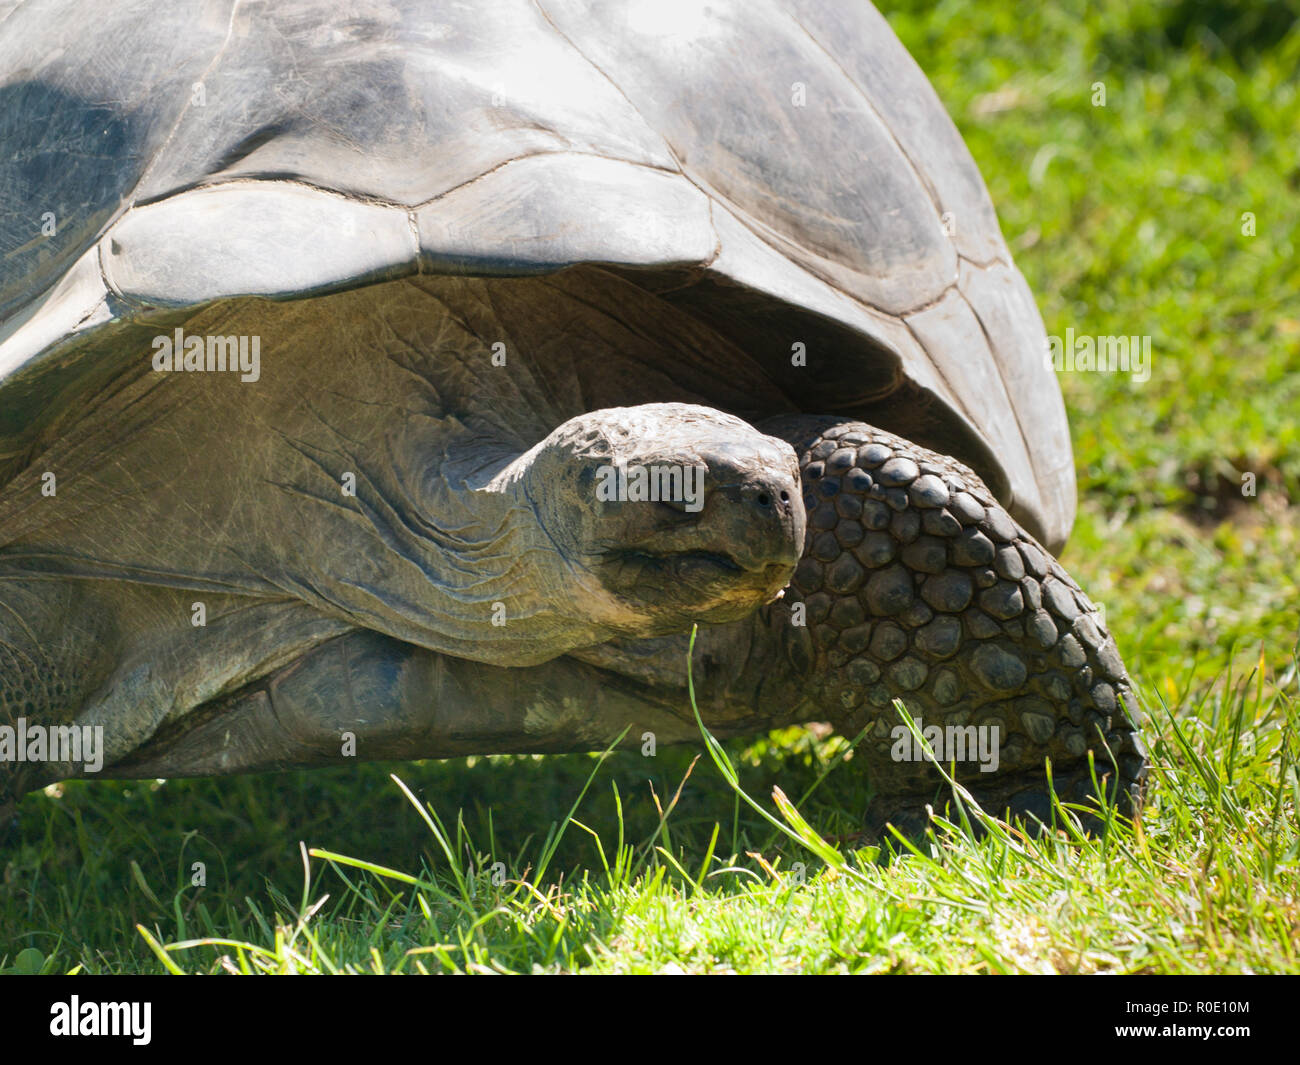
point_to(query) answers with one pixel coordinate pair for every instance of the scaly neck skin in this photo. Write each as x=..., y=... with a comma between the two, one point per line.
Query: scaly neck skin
x=512, y=592
x=423, y=549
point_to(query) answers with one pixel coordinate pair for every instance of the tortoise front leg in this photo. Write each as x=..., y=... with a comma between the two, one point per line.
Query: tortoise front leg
x=917, y=585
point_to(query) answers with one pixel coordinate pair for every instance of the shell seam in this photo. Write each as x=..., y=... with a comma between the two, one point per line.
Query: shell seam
x=635, y=110
x=10, y=12
x=735, y=210
x=953, y=395
x=931, y=194
x=129, y=199
x=988, y=340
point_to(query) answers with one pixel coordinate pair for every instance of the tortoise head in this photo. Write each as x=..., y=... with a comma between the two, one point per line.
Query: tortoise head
x=682, y=513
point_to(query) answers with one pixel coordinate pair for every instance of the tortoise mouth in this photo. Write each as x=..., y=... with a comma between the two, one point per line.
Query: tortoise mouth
x=703, y=584
x=701, y=561
x=672, y=563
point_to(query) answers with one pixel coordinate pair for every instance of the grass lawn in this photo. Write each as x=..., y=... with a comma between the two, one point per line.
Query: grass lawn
x=1128, y=218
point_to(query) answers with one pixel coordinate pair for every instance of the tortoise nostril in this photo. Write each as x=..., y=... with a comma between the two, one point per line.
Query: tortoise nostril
x=785, y=497
x=764, y=499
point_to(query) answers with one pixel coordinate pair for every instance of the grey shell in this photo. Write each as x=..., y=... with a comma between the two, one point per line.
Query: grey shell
x=781, y=171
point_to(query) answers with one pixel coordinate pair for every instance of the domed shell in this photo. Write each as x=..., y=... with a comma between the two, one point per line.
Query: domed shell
x=780, y=172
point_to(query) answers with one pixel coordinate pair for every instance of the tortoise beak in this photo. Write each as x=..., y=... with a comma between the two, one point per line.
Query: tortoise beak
x=727, y=548
x=766, y=516
x=753, y=516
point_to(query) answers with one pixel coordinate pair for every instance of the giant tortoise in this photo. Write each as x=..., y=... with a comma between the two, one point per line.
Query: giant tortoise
x=396, y=379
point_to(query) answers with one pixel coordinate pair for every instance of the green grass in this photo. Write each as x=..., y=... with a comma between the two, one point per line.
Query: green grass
x=1126, y=219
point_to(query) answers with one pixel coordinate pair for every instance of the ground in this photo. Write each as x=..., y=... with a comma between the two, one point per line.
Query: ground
x=1169, y=207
